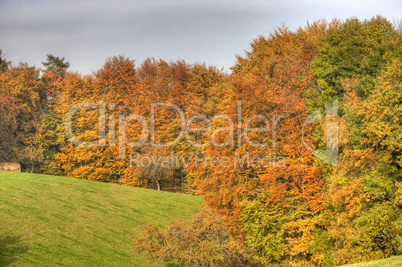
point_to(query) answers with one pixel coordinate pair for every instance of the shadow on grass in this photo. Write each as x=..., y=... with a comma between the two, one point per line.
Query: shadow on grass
x=10, y=249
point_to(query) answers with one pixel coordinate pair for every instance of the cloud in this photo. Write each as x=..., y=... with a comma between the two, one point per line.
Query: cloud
x=87, y=32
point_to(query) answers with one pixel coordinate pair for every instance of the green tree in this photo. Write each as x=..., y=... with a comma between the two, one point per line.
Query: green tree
x=357, y=65
x=3, y=62
x=383, y=110
x=56, y=65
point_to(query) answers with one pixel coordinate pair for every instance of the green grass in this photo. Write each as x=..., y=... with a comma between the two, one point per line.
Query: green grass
x=49, y=220
x=391, y=262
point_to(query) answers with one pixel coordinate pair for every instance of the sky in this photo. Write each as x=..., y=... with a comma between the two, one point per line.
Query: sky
x=87, y=32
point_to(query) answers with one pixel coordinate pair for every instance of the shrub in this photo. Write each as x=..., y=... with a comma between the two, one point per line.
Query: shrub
x=205, y=241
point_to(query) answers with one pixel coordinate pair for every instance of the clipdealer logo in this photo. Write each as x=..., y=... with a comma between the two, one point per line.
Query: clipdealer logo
x=242, y=130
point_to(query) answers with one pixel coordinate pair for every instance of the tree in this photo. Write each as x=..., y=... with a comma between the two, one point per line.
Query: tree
x=3, y=62
x=383, y=110
x=159, y=170
x=355, y=67
x=364, y=219
x=114, y=85
x=205, y=241
x=56, y=65
x=19, y=99
x=262, y=203
x=33, y=153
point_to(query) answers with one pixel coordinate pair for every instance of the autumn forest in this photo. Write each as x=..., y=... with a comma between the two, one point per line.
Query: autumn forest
x=297, y=152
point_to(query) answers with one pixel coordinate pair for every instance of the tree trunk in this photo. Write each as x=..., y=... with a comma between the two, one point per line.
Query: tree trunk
x=158, y=185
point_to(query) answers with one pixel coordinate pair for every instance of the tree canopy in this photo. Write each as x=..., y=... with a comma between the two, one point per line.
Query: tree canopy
x=249, y=142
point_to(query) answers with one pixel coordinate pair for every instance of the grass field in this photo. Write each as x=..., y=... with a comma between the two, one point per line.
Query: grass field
x=57, y=221
x=389, y=262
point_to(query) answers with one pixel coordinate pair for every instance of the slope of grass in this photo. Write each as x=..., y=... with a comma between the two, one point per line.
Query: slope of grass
x=49, y=220
x=391, y=262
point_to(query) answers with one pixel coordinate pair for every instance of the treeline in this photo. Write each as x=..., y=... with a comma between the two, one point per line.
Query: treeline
x=36, y=104
x=298, y=210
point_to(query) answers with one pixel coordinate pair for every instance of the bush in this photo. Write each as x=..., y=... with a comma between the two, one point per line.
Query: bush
x=205, y=241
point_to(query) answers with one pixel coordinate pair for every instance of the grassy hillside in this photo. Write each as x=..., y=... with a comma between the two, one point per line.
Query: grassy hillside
x=49, y=220
x=389, y=262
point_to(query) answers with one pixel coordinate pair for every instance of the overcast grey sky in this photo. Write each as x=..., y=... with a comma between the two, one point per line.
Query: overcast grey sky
x=211, y=32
